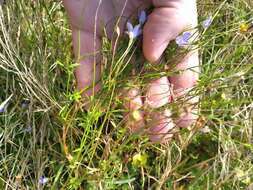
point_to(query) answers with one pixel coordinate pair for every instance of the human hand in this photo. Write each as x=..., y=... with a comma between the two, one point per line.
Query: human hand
x=168, y=19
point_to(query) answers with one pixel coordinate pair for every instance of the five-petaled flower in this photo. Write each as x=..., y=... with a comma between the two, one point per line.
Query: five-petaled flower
x=25, y=104
x=140, y=160
x=43, y=180
x=133, y=31
x=183, y=40
x=206, y=23
x=142, y=17
x=244, y=27
x=28, y=129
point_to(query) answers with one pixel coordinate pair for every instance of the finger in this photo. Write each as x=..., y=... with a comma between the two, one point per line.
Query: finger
x=183, y=85
x=158, y=93
x=86, y=49
x=133, y=104
x=188, y=113
x=165, y=23
x=89, y=15
x=159, y=124
x=184, y=82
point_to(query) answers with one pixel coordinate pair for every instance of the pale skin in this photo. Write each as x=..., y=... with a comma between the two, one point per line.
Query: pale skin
x=168, y=20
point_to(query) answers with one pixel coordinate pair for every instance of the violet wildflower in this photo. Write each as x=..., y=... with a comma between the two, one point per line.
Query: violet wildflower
x=4, y=104
x=142, y=17
x=206, y=23
x=28, y=129
x=183, y=40
x=43, y=180
x=25, y=104
x=135, y=31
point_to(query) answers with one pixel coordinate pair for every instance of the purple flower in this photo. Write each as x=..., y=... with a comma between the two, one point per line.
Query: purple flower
x=25, y=104
x=142, y=17
x=4, y=104
x=28, y=129
x=183, y=40
x=43, y=180
x=135, y=31
x=206, y=23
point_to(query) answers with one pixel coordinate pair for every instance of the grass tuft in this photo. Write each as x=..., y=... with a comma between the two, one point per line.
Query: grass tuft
x=52, y=136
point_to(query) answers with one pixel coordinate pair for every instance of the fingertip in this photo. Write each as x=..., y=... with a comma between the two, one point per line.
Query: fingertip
x=158, y=93
x=189, y=113
x=153, y=54
x=159, y=30
x=161, y=126
x=187, y=120
x=152, y=48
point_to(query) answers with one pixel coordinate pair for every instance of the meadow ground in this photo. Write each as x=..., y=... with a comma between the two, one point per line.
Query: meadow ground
x=47, y=140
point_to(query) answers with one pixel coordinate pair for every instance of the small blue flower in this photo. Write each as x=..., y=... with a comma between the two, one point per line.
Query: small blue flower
x=28, y=129
x=142, y=17
x=25, y=104
x=206, y=23
x=43, y=180
x=135, y=31
x=4, y=104
x=183, y=40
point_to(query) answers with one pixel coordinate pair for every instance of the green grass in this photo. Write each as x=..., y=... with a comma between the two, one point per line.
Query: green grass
x=76, y=149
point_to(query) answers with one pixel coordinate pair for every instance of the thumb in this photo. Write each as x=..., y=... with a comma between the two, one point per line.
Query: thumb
x=165, y=23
